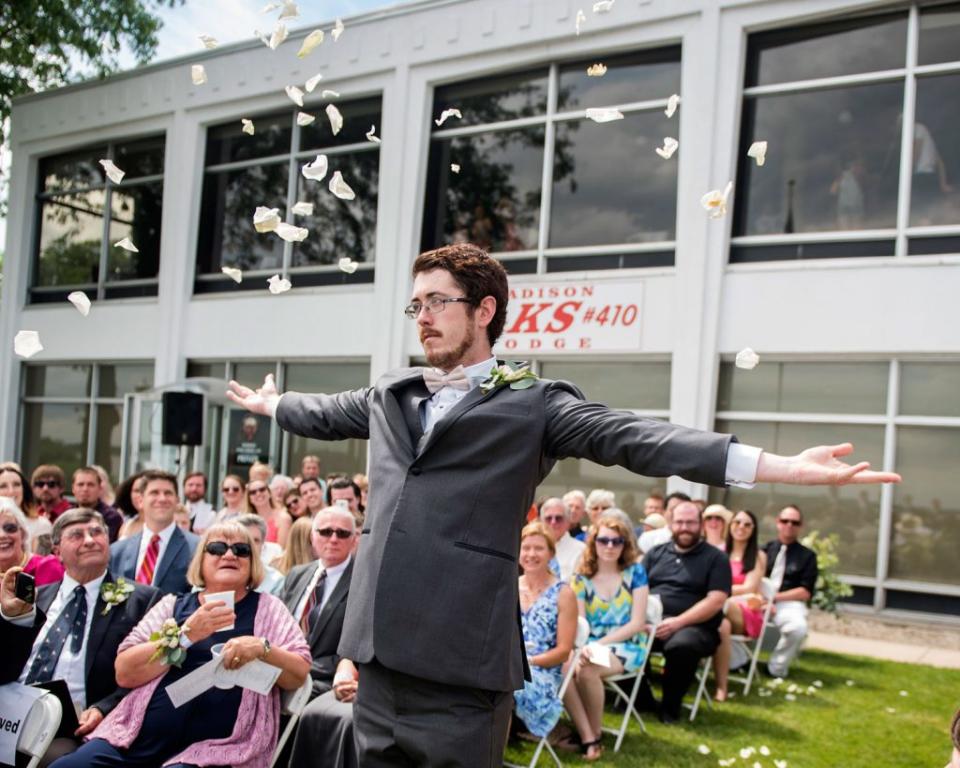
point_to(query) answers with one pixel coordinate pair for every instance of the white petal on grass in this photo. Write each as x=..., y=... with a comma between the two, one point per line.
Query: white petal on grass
x=603, y=6
x=266, y=219
x=340, y=188
x=727, y=762
x=291, y=232
x=234, y=274
x=81, y=301
x=278, y=284
x=337, y=29
x=127, y=245
x=596, y=70
x=208, y=42
x=304, y=119
x=780, y=763
x=27, y=343
x=348, y=265
x=312, y=82
x=198, y=74
x=604, y=114
x=113, y=173
x=747, y=752
x=280, y=33
x=295, y=94
x=790, y=697
x=818, y=683
x=371, y=135
x=315, y=170
x=336, y=119
x=455, y=167
x=792, y=688
x=310, y=42
x=891, y=711
x=672, y=103
x=703, y=749
x=764, y=750
x=757, y=764
x=850, y=683
x=904, y=693
x=303, y=209
x=446, y=115
x=248, y=127
x=578, y=22
x=758, y=151
x=715, y=201
x=669, y=147
x=290, y=10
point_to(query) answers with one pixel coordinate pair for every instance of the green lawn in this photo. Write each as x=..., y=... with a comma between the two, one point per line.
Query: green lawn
x=840, y=725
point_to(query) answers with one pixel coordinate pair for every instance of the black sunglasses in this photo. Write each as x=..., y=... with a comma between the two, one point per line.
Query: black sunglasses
x=219, y=549
x=794, y=523
x=46, y=484
x=340, y=533
x=10, y=528
x=607, y=541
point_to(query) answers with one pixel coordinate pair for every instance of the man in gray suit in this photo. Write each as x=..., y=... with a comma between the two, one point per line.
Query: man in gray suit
x=456, y=455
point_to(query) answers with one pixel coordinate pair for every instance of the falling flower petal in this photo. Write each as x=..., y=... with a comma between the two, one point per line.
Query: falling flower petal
x=290, y=10
x=263, y=38
x=703, y=749
x=446, y=115
x=315, y=170
x=27, y=343
x=310, y=42
x=295, y=94
x=279, y=284
x=340, y=188
x=455, y=167
x=578, y=22
x=80, y=300
x=596, y=70
x=603, y=6
x=348, y=265
x=715, y=201
x=234, y=274
x=604, y=114
x=370, y=135
x=247, y=126
x=312, y=82
x=113, y=173
x=337, y=29
x=304, y=119
x=198, y=74
x=280, y=33
x=669, y=147
x=336, y=119
x=672, y=103
x=303, y=209
x=266, y=219
x=758, y=151
x=291, y=233
x=127, y=245
x=765, y=750
x=747, y=359
x=208, y=42
x=328, y=94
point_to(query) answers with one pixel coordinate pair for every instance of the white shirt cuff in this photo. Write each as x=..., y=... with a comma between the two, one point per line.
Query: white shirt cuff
x=23, y=620
x=742, y=461
x=276, y=407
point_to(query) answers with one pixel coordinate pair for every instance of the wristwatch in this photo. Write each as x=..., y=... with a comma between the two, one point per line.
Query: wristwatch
x=266, y=647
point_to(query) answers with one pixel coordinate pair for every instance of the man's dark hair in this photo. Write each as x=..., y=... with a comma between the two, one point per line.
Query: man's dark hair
x=477, y=275
x=795, y=508
x=48, y=472
x=310, y=480
x=72, y=517
x=338, y=485
x=196, y=474
x=158, y=474
x=676, y=495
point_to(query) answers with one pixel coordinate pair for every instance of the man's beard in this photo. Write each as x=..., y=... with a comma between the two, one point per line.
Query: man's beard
x=445, y=360
x=685, y=540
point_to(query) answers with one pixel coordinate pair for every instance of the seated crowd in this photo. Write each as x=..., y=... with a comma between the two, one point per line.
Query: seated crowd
x=266, y=579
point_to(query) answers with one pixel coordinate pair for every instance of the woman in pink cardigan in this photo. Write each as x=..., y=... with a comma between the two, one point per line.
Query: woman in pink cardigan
x=220, y=727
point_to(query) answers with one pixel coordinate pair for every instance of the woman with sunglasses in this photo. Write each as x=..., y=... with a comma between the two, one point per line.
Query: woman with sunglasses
x=221, y=726
x=743, y=613
x=234, y=499
x=15, y=547
x=295, y=505
x=611, y=589
x=716, y=526
x=276, y=517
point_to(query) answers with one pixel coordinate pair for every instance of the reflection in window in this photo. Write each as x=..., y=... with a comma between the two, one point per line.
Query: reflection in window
x=641, y=76
x=55, y=434
x=71, y=236
x=929, y=389
x=358, y=116
x=935, y=185
x=939, y=35
x=136, y=214
x=493, y=99
x=228, y=144
x=639, y=386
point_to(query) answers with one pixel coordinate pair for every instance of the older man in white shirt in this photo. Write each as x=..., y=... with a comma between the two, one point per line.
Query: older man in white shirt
x=556, y=515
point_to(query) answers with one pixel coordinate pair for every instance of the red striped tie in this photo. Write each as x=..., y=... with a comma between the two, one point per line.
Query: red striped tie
x=149, y=564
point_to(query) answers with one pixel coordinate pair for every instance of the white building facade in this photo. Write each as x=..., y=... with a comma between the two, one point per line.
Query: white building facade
x=838, y=260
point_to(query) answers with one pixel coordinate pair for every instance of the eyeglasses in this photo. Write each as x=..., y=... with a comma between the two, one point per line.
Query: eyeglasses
x=10, y=528
x=232, y=489
x=554, y=519
x=743, y=523
x=713, y=519
x=686, y=523
x=606, y=541
x=219, y=548
x=76, y=535
x=794, y=523
x=434, y=305
x=340, y=533
x=46, y=484
x=257, y=490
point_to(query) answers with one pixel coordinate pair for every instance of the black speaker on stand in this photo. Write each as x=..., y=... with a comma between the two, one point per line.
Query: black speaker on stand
x=182, y=418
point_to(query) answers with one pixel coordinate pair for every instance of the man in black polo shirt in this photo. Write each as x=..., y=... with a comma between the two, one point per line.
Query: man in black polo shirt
x=692, y=579
x=796, y=589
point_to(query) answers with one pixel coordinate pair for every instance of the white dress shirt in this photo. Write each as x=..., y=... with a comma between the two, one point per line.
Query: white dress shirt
x=202, y=515
x=650, y=539
x=165, y=535
x=568, y=555
x=333, y=577
x=71, y=667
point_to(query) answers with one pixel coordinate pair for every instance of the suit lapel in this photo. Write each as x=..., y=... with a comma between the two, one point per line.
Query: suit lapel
x=401, y=405
x=177, y=542
x=471, y=400
x=339, y=592
x=99, y=625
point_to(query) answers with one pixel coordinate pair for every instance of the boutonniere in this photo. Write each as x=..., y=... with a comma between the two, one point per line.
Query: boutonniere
x=114, y=593
x=166, y=640
x=517, y=376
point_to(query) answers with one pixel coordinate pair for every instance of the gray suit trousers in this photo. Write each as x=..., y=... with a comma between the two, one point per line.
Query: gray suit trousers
x=325, y=735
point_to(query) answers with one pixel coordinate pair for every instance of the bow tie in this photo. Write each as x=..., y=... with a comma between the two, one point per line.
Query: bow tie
x=437, y=380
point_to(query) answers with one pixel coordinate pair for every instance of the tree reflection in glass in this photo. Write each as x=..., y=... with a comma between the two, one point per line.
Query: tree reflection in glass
x=71, y=231
x=494, y=99
x=136, y=213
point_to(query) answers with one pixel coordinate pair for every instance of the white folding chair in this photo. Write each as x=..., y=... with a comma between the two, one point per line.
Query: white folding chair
x=654, y=616
x=40, y=728
x=769, y=590
x=583, y=634
x=292, y=703
x=706, y=664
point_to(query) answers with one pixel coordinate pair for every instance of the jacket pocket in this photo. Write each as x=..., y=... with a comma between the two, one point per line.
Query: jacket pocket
x=484, y=551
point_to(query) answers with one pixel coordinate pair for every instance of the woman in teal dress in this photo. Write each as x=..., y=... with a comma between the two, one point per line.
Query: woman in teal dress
x=549, y=617
x=611, y=590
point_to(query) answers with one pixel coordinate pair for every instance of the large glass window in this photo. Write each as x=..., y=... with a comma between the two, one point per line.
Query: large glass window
x=524, y=135
x=831, y=99
x=242, y=172
x=81, y=215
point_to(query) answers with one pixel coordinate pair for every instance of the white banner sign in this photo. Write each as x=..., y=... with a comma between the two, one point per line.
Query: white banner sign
x=573, y=316
x=15, y=703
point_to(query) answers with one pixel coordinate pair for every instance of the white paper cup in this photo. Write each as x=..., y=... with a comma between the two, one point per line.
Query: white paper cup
x=226, y=597
x=222, y=677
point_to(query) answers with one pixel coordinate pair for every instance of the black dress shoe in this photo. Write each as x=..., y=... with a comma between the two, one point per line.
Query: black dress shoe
x=668, y=719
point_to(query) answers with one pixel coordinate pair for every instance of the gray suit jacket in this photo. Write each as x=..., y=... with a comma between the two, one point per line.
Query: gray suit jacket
x=434, y=590
x=171, y=574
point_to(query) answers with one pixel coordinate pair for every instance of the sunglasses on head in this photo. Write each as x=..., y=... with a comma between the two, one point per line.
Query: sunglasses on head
x=10, y=528
x=340, y=533
x=794, y=523
x=608, y=541
x=46, y=484
x=219, y=548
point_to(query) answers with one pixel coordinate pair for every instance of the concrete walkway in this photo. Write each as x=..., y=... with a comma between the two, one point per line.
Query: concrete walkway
x=883, y=649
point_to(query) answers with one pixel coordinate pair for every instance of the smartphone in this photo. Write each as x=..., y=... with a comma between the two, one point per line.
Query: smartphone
x=342, y=503
x=25, y=588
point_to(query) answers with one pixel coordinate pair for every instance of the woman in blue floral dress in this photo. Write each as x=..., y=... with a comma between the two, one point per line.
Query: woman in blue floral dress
x=549, y=618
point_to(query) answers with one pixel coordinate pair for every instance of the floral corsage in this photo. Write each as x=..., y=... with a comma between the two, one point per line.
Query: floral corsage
x=517, y=375
x=113, y=593
x=167, y=643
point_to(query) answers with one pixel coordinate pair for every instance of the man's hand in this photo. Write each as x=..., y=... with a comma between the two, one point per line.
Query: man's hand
x=668, y=627
x=12, y=606
x=88, y=719
x=819, y=466
x=263, y=401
